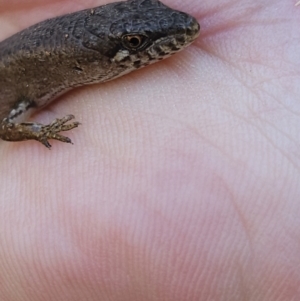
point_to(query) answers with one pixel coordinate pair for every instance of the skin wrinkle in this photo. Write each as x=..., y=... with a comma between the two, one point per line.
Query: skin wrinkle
x=250, y=88
x=261, y=131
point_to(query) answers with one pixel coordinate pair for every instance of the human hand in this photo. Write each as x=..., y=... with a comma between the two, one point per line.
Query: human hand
x=183, y=181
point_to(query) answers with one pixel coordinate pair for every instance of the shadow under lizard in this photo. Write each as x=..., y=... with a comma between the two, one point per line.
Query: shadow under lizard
x=90, y=46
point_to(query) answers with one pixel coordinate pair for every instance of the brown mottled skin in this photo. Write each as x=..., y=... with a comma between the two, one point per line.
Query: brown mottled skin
x=90, y=46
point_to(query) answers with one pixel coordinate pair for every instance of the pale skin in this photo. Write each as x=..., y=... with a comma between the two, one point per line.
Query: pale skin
x=183, y=180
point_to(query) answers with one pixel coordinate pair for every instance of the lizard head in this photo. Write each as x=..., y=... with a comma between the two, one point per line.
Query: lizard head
x=141, y=32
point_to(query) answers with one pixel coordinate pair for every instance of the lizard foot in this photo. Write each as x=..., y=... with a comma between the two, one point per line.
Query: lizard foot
x=30, y=130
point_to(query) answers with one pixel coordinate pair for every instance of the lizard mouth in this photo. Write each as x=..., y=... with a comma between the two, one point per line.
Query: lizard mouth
x=175, y=42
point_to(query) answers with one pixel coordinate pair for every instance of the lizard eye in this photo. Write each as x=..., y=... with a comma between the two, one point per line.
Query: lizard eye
x=134, y=41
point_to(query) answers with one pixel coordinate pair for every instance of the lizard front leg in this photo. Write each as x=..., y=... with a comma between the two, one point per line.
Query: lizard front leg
x=11, y=131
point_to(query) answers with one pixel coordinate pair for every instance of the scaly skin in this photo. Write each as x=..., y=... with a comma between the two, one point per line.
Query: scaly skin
x=86, y=47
